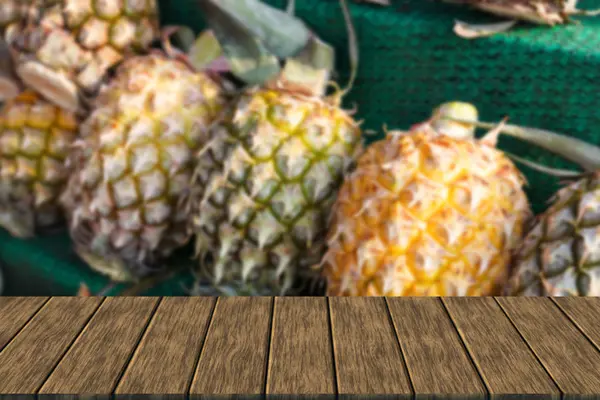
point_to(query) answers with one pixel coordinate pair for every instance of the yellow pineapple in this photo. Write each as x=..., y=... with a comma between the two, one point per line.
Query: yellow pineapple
x=35, y=139
x=428, y=212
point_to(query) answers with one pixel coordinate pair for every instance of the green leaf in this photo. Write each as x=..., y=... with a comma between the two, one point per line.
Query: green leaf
x=205, y=49
x=280, y=32
x=249, y=59
x=310, y=70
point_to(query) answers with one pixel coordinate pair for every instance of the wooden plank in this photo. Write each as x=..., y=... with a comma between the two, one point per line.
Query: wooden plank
x=301, y=357
x=585, y=313
x=26, y=362
x=503, y=359
x=234, y=357
x=14, y=314
x=435, y=356
x=366, y=349
x=95, y=361
x=572, y=361
x=166, y=357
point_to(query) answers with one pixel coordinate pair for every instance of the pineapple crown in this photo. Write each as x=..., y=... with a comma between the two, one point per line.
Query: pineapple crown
x=441, y=123
x=200, y=53
x=267, y=46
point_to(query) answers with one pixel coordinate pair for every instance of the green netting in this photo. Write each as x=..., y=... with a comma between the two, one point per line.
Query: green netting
x=410, y=62
x=47, y=266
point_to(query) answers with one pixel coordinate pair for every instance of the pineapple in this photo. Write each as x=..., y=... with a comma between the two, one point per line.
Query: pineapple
x=560, y=254
x=266, y=181
x=429, y=212
x=127, y=200
x=35, y=139
x=13, y=12
x=65, y=48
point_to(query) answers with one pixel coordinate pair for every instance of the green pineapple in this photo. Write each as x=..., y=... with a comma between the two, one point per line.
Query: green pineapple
x=560, y=255
x=268, y=178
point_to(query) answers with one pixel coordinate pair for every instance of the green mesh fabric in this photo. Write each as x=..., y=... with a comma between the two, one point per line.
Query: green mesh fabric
x=47, y=266
x=410, y=62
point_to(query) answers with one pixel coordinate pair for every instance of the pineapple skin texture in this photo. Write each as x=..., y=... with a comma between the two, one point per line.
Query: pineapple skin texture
x=560, y=255
x=266, y=186
x=12, y=11
x=35, y=140
x=425, y=215
x=127, y=202
x=81, y=39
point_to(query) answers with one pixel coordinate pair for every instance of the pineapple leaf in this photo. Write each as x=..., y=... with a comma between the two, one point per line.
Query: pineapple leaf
x=562, y=173
x=473, y=31
x=205, y=50
x=310, y=70
x=291, y=7
x=248, y=58
x=352, y=46
x=280, y=32
x=581, y=153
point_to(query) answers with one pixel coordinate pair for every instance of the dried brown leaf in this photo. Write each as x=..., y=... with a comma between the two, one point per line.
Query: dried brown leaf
x=542, y=12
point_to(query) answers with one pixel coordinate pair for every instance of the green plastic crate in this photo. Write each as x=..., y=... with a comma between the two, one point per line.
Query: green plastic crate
x=410, y=62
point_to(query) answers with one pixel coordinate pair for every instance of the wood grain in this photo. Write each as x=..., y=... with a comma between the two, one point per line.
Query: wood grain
x=234, y=356
x=436, y=358
x=301, y=358
x=165, y=359
x=366, y=350
x=585, y=313
x=14, y=314
x=503, y=359
x=26, y=362
x=572, y=361
x=96, y=360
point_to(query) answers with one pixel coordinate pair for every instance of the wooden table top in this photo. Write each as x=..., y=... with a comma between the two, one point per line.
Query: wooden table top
x=476, y=348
